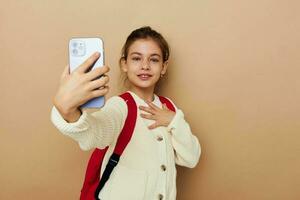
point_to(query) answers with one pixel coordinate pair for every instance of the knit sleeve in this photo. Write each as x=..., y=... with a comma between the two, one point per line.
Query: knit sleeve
x=186, y=145
x=97, y=129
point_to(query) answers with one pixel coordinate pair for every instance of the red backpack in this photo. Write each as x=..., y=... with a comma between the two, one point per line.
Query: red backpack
x=93, y=183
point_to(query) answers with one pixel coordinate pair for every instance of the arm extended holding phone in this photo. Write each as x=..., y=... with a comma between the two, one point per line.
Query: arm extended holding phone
x=83, y=84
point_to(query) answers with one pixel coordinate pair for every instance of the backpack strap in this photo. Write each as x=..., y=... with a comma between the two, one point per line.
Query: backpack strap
x=122, y=141
x=166, y=101
x=92, y=174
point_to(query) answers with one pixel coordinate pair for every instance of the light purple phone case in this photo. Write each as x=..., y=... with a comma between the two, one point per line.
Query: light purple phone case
x=79, y=50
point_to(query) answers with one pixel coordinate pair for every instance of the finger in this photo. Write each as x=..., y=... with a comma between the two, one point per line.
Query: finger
x=153, y=125
x=97, y=73
x=98, y=83
x=147, y=109
x=152, y=105
x=99, y=92
x=66, y=71
x=152, y=117
x=88, y=63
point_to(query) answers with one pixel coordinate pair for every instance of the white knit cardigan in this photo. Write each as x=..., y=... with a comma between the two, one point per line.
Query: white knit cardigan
x=146, y=170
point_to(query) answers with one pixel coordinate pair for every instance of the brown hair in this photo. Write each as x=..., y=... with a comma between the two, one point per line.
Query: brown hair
x=145, y=32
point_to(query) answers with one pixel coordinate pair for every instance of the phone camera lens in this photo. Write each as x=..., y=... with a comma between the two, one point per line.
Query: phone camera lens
x=74, y=44
x=75, y=52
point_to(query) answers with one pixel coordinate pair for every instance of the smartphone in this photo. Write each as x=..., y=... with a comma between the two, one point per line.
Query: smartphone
x=80, y=49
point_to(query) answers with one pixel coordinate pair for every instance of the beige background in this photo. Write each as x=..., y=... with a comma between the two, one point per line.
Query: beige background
x=234, y=72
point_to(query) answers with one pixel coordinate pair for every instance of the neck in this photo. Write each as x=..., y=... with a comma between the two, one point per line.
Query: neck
x=145, y=93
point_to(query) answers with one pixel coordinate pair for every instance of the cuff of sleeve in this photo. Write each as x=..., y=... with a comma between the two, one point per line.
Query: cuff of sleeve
x=175, y=121
x=80, y=125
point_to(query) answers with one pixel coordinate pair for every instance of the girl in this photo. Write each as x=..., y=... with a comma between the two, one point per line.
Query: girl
x=161, y=138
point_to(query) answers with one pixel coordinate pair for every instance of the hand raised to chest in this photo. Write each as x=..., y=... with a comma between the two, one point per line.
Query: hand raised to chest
x=162, y=116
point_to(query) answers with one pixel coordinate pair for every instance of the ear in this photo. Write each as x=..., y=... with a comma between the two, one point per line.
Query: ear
x=124, y=65
x=165, y=66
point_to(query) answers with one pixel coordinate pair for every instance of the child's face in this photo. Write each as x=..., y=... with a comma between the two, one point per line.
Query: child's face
x=144, y=57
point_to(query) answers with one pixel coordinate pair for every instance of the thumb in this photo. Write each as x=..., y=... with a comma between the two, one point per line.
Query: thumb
x=66, y=72
x=165, y=106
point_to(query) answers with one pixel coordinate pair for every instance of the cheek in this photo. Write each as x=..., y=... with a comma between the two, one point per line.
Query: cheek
x=132, y=73
x=132, y=68
x=157, y=69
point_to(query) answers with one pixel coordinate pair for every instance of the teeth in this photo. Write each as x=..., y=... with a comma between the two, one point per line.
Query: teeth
x=144, y=76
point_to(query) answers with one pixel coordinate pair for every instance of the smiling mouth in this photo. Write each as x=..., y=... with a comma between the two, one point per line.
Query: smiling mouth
x=144, y=76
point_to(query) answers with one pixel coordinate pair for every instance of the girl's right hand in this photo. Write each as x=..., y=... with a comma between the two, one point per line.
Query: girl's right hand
x=80, y=86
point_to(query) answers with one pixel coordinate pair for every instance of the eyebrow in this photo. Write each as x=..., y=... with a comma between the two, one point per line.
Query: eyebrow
x=154, y=54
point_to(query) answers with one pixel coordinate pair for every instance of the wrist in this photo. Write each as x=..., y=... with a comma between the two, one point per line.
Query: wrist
x=70, y=114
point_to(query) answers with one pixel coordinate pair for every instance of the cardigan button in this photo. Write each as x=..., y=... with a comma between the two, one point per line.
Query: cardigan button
x=163, y=167
x=171, y=129
x=160, y=197
x=159, y=138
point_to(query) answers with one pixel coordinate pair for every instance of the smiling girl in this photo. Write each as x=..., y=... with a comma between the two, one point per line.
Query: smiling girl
x=161, y=137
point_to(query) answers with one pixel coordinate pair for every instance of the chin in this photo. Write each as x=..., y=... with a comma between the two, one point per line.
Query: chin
x=144, y=85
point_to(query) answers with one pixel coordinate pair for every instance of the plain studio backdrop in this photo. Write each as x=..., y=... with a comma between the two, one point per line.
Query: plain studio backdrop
x=234, y=71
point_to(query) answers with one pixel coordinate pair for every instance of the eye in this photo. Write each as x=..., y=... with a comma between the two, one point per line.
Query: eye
x=136, y=58
x=154, y=60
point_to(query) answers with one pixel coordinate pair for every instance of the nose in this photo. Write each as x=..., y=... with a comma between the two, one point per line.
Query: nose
x=145, y=64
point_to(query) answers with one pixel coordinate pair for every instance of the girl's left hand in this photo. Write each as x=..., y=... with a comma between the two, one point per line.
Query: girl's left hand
x=162, y=117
